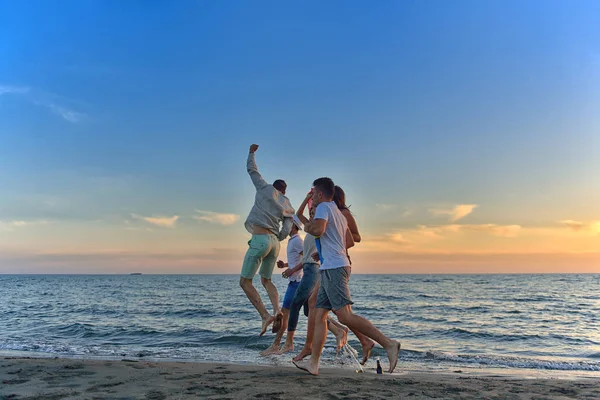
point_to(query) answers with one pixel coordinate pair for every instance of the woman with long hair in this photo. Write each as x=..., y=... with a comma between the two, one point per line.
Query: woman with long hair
x=339, y=199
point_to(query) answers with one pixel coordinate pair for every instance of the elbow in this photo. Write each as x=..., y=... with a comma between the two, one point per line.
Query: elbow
x=318, y=232
x=313, y=231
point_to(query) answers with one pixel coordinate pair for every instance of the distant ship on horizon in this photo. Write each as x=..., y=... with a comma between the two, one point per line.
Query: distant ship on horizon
x=135, y=273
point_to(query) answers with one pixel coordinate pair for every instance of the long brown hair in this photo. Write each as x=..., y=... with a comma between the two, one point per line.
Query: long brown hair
x=339, y=198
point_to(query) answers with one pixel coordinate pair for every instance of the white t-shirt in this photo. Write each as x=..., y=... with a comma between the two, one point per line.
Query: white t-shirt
x=294, y=250
x=333, y=240
x=310, y=247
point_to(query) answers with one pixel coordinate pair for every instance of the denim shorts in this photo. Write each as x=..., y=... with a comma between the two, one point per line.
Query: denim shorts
x=334, y=292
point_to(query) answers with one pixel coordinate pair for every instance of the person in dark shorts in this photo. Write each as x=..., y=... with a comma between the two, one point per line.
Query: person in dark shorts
x=331, y=228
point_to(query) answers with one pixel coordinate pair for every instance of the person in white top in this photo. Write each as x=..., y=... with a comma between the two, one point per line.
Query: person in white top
x=339, y=198
x=331, y=228
x=294, y=256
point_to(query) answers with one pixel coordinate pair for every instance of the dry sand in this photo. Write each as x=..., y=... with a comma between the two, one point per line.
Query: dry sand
x=29, y=378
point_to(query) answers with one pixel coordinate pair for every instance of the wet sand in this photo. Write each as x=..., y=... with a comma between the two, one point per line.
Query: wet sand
x=46, y=378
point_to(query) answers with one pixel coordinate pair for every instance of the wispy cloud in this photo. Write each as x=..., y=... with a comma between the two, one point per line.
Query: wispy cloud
x=492, y=229
x=167, y=222
x=11, y=225
x=216, y=218
x=384, y=207
x=592, y=227
x=456, y=213
x=50, y=101
x=66, y=113
x=4, y=89
x=425, y=233
x=398, y=238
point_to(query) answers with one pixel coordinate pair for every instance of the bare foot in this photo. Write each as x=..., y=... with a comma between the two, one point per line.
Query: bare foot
x=303, y=354
x=273, y=349
x=367, y=352
x=392, y=352
x=287, y=348
x=265, y=324
x=342, y=339
x=307, y=366
x=277, y=323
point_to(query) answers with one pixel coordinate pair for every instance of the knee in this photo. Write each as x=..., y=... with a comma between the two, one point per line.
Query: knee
x=245, y=282
x=343, y=316
x=265, y=282
x=321, y=314
x=295, y=304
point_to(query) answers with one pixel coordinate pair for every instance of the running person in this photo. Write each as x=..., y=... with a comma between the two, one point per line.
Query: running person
x=331, y=227
x=339, y=198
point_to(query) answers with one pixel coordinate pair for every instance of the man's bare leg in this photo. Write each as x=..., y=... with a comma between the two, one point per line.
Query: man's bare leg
x=364, y=326
x=341, y=336
x=366, y=343
x=254, y=297
x=312, y=365
x=339, y=331
x=274, y=348
x=273, y=295
x=310, y=330
x=288, y=346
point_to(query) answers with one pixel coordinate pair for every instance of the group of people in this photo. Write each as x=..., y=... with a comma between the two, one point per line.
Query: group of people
x=318, y=269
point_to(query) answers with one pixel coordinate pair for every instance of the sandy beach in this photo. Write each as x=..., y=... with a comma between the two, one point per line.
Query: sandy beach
x=31, y=378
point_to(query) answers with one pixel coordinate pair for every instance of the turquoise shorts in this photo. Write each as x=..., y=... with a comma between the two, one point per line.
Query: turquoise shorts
x=262, y=253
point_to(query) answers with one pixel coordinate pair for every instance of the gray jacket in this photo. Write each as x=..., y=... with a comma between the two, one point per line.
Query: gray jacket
x=270, y=206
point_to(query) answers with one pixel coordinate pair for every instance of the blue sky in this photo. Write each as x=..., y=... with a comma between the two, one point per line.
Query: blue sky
x=109, y=109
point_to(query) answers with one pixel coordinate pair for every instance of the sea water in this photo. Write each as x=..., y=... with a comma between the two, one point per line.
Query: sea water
x=522, y=322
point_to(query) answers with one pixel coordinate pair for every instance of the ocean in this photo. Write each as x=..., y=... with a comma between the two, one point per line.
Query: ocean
x=444, y=322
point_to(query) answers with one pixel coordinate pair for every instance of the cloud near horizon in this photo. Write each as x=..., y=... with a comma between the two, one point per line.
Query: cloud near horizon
x=492, y=229
x=592, y=227
x=9, y=225
x=216, y=218
x=456, y=213
x=168, y=222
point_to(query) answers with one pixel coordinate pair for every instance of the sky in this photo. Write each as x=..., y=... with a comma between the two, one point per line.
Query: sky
x=466, y=134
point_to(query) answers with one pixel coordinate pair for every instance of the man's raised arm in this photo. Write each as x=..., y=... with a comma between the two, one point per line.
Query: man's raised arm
x=258, y=180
